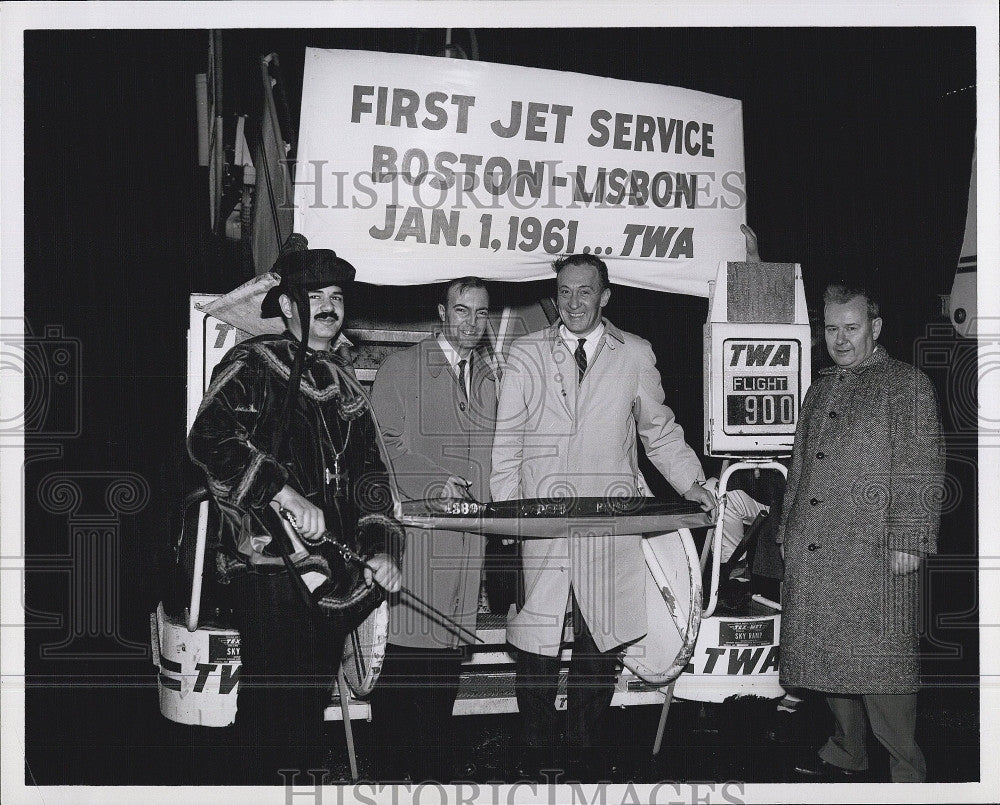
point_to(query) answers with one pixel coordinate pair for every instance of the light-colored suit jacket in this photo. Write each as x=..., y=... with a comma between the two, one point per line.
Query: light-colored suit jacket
x=432, y=432
x=556, y=437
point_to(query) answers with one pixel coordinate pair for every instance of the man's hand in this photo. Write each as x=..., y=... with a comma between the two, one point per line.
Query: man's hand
x=454, y=490
x=700, y=495
x=386, y=573
x=457, y=487
x=903, y=562
x=309, y=519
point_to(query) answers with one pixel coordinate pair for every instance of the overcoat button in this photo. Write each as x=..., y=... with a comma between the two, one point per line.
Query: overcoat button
x=813, y=546
x=461, y=405
x=833, y=415
x=821, y=455
x=813, y=501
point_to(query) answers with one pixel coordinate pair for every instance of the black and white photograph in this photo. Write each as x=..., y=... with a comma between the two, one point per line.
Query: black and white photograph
x=451, y=402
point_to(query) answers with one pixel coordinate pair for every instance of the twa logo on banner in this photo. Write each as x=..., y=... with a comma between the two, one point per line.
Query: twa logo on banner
x=420, y=169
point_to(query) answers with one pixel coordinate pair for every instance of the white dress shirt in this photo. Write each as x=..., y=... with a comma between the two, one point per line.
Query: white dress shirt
x=590, y=347
x=453, y=358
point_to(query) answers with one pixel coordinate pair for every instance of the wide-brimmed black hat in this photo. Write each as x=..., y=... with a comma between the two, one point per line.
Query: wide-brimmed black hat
x=305, y=270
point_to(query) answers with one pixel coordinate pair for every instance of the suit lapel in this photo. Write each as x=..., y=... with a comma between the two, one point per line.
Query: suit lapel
x=434, y=357
x=607, y=351
x=437, y=365
x=481, y=371
x=565, y=374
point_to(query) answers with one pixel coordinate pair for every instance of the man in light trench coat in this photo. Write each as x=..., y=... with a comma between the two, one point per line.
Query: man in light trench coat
x=573, y=399
x=436, y=405
x=861, y=509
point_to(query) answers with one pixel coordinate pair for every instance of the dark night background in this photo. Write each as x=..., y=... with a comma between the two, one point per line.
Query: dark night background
x=858, y=152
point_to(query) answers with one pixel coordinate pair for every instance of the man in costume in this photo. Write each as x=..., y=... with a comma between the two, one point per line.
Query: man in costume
x=436, y=406
x=860, y=512
x=283, y=423
x=572, y=400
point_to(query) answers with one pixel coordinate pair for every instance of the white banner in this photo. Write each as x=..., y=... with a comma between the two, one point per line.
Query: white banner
x=420, y=169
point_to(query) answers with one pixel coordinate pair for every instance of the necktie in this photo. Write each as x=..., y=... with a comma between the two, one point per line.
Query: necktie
x=581, y=357
x=461, y=377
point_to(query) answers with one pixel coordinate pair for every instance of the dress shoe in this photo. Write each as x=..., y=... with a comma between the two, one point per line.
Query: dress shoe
x=815, y=768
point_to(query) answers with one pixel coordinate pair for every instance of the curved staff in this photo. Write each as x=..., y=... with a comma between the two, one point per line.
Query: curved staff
x=326, y=538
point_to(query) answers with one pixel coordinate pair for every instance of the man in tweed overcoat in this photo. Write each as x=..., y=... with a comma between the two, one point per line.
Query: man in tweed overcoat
x=861, y=509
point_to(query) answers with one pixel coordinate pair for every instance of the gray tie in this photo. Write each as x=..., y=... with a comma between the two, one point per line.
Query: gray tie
x=581, y=357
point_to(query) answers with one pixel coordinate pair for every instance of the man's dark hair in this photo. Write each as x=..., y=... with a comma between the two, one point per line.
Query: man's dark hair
x=584, y=260
x=460, y=285
x=840, y=293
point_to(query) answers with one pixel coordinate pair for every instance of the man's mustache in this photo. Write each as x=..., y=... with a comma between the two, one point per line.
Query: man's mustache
x=326, y=315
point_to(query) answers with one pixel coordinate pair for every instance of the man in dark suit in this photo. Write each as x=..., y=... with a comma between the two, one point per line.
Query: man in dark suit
x=436, y=406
